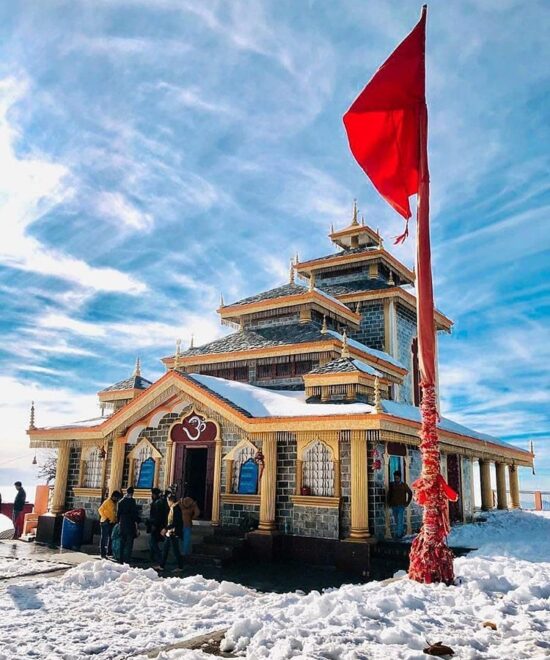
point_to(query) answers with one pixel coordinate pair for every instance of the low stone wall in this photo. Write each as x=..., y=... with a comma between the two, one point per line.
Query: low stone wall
x=233, y=514
x=316, y=521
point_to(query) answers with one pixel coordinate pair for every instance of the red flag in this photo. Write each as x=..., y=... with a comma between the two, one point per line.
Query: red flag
x=383, y=122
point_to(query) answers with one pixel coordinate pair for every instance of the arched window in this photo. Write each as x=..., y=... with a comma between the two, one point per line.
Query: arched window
x=144, y=465
x=91, y=467
x=242, y=456
x=318, y=470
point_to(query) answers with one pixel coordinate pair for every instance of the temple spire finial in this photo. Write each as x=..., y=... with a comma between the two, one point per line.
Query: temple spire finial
x=192, y=342
x=362, y=220
x=377, y=401
x=222, y=303
x=324, y=328
x=345, y=349
x=137, y=368
x=177, y=355
x=354, y=220
x=31, y=421
x=312, y=281
x=291, y=273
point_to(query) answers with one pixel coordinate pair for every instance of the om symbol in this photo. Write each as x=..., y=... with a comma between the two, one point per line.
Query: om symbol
x=198, y=423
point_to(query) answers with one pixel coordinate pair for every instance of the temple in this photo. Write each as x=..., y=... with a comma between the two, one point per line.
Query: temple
x=293, y=423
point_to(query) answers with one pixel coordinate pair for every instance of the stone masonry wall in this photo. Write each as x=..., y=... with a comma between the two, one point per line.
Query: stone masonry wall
x=72, y=478
x=232, y=514
x=415, y=467
x=376, y=486
x=319, y=522
x=406, y=332
x=371, y=331
x=286, y=482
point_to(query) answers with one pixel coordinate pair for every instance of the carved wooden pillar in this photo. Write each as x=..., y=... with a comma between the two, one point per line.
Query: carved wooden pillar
x=387, y=528
x=299, y=476
x=269, y=481
x=502, y=500
x=217, y=483
x=337, y=487
x=61, y=474
x=228, y=476
x=514, y=486
x=359, y=495
x=485, y=482
x=117, y=464
x=168, y=464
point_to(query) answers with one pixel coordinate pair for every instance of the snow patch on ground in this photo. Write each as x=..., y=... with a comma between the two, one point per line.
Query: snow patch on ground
x=113, y=611
x=15, y=567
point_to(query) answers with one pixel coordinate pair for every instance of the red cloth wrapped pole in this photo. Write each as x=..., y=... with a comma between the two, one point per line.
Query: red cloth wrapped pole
x=387, y=127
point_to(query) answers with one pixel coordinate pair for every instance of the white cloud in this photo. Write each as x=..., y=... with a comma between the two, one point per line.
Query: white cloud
x=116, y=207
x=30, y=187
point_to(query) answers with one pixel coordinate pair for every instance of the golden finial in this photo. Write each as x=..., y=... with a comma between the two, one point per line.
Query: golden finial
x=312, y=281
x=377, y=401
x=354, y=221
x=31, y=421
x=414, y=271
x=192, y=342
x=358, y=307
x=296, y=259
x=222, y=303
x=177, y=355
x=362, y=220
x=291, y=274
x=345, y=350
x=324, y=328
x=331, y=228
x=137, y=368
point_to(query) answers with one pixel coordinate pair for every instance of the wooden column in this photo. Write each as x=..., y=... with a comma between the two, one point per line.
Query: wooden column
x=502, y=500
x=269, y=481
x=359, y=495
x=61, y=474
x=485, y=482
x=387, y=513
x=514, y=486
x=117, y=464
x=299, y=476
x=168, y=464
x=337, y=487
x=217, y=483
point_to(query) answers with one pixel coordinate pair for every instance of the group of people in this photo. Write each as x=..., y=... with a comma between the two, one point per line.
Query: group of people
x=169, y=525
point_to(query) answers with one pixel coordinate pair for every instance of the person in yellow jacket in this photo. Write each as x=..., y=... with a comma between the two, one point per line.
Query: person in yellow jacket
x=107, y=520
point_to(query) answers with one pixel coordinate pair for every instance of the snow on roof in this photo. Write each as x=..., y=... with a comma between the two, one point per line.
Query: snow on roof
x=260, y=402
x=406, y=411
x=367, y=349
x=95, y=421
x=366, y=368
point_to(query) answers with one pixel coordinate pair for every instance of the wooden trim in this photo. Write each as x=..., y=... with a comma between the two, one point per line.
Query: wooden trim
x=142, y=493
x=118, y=395
x=237, y=498
x=87, y=492
x=315, y=500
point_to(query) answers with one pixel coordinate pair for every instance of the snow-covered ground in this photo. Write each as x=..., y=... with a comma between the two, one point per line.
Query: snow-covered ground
x=113, y=611
x=15, y=567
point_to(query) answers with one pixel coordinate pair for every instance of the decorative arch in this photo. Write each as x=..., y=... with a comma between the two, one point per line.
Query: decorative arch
x=194, y=427
x=140, y=458
x=235, y=460
x=92, y=467
x=318, y=469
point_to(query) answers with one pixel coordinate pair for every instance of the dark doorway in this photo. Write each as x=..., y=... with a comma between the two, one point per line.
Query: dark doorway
x=194, y=481
x=455, y=482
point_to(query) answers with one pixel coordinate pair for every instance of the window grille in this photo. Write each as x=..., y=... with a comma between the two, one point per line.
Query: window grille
x=93, y=469
x=318, y=470
x=144, y=452
x=242, y=456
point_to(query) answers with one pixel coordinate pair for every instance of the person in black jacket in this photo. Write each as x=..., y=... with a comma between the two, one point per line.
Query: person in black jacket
x=158, y=517
x=173, y=533
x=128, y=519
x=18, y=506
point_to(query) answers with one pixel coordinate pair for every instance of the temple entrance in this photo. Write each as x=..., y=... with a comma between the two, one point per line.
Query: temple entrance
x=194, y=475
x=455, y=482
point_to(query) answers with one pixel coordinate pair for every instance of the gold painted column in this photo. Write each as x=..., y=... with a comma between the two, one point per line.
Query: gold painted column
x=485, y=483
x=61, y=474
x=217, y=483
x=117, y=464
x=502, y=500
x=299, y=476
x=359, y=496
x=168, y=464
x=514, y=486
x=268, y=483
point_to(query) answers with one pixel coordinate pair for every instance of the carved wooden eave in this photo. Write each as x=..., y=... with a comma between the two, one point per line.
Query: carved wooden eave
x=106, y=396
x=326, y=346
x=311, y=299
x=380, y=255
x=343, y=378
x=355, y=230
x=401, y=295
x=172, y=387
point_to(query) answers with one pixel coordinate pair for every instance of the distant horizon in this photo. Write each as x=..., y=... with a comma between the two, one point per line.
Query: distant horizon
x=157, y=155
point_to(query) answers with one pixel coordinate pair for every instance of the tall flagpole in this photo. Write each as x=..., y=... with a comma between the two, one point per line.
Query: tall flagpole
x=430, y=558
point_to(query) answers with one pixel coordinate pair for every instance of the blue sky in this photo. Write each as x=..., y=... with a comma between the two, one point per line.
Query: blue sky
x=156, y=153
